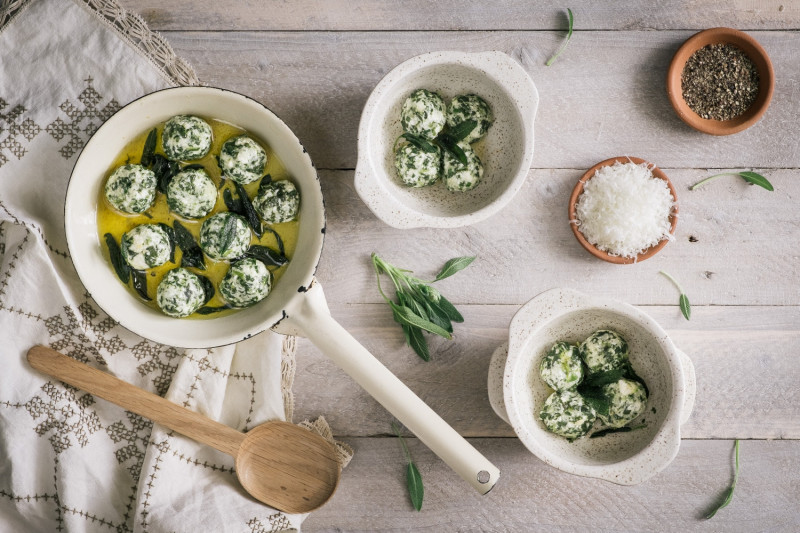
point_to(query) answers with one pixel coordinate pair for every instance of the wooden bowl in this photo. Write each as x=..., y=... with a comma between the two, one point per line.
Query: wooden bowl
x=752, y=49
x=591, y=248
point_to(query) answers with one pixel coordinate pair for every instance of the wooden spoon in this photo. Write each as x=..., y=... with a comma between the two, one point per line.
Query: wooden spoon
x=280, y=464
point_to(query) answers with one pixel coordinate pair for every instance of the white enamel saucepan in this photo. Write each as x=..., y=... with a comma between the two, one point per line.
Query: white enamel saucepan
x=295, y=306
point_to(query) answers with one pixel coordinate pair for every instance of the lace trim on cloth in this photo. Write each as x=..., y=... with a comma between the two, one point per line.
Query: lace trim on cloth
x=132, y=29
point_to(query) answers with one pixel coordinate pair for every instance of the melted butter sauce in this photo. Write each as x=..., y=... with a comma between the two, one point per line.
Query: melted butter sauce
x=109, y=220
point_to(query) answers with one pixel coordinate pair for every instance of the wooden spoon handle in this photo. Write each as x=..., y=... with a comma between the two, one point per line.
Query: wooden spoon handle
x=186, y=422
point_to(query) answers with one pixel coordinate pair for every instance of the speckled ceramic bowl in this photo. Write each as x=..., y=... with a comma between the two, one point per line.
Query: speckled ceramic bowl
x=506, y=151
x=517, y=392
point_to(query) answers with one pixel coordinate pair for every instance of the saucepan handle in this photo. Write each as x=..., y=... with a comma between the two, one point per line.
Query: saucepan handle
x=311, y=317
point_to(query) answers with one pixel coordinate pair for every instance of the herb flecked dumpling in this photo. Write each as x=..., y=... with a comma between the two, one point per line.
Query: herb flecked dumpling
x=242, y=159
x=146, y=246
x=186, y=138
x=604, y=350
x=225, y=236
x=277, y=201
x=247, y=282
x=470, y=107
x=131, y=189
x=561, y=367
x=416, y=167
x=180, y=293
x=191, y=193
x=567, y=414
x=423, y=114
x=459, y=177
x=626, y=400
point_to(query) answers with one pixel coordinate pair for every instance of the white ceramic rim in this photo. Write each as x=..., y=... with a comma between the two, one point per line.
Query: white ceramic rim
x=89, y=174
x=504, y=71
x=665, y=444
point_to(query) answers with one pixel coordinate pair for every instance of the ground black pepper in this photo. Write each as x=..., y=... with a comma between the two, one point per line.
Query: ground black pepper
x=719, y=82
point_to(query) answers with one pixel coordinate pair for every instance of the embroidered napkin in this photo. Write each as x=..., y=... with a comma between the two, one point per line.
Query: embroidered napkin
x=71, y=462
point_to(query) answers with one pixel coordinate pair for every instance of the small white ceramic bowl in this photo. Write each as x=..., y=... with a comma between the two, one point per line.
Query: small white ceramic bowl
x=517, y=392
x=506, y=151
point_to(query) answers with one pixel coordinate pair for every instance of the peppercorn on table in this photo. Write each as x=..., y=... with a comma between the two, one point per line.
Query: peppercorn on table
x=735, y=249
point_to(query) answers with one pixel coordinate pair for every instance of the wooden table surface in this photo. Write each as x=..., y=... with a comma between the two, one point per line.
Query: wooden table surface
x=735, y=253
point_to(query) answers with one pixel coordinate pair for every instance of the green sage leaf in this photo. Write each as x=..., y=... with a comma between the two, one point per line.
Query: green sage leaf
x=728, y=493
x=418, y=343
x=404, y=315
x=449, y=310
x=451, y=145
x=454, y=265
x=460, y=131
x=686, y=308
x=117, y=261
x=757, y=179
x=149, y=148
x=415, y=489
x=228, y=233
x=208, y=288
x=419, y=142
x=263, y=184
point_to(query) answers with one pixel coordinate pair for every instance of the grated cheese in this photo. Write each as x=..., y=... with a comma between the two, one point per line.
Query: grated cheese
x=624, y=209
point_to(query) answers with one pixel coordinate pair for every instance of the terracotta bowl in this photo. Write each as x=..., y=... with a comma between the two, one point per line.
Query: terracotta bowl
x=753, y=50
x=592, y=249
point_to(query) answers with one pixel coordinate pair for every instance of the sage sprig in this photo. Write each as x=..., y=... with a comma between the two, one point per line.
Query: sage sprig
x=729, y=493
x=683, y=301
x=420, y=307
x=566, y=41
x=753, y=178
x=416, y=491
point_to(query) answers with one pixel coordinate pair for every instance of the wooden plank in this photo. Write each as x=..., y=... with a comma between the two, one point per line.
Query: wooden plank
x=339, y=15
x=744, y=359
x=532, y=496
x=604, y=97
x=734, y=245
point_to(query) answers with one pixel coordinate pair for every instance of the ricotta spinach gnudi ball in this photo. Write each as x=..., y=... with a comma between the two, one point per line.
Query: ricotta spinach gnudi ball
x=224, y=236
x=604, y=350
x=416, y=167
x=626, y=398
x=470, y=107
x=131, y=189
x=561, y=366
x=423, y=114
x=242, y=159
x=277, y=201
x=180, y=293
x=191, y=193
x=146, y=246
x=247, y=282
x=458, y=176
x=567, y=414
x=186, y=137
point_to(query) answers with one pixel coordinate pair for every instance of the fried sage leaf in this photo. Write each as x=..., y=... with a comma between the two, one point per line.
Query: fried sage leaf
x=117, y=261
x=192, y=254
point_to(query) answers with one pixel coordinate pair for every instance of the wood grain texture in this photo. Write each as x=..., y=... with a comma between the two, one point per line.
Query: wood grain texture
x=735, y=244
x=339, y=15
x=745, y=359
x=532, y=496
x=605, y=96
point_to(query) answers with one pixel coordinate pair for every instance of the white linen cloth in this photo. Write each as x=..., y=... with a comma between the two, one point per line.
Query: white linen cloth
x=71, y=462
